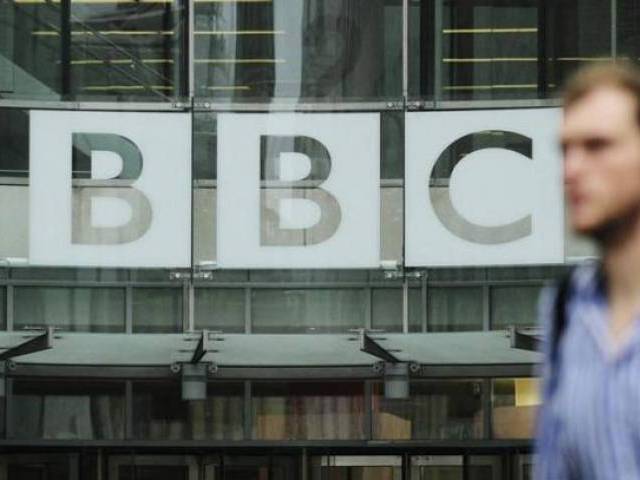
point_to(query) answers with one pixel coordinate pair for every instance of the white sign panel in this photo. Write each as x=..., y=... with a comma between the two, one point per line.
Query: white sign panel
x=130, y=203
x=298, y=190
x=483, y=188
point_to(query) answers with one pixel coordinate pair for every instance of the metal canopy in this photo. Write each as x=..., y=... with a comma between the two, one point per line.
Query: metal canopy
x=370, y=345
x=43, y=341
x=255, y=350
x=525, y=338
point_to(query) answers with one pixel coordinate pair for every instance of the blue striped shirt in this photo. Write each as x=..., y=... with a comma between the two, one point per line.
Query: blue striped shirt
x=589, y=423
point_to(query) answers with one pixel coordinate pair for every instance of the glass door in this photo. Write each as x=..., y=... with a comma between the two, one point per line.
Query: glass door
x=39, y=467
x=358, y=467
x=452, y=467
x=524, y=467
x=437, y=467
x=272, y=467
x=155, y=467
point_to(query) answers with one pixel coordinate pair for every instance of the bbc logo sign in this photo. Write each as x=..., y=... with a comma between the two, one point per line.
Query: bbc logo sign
x=295, y=190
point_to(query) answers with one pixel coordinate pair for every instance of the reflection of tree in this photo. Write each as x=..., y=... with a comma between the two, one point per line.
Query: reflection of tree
x=344, y=49
x=331, y=48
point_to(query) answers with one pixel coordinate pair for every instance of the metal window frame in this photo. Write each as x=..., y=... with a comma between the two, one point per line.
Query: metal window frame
x=188, y=286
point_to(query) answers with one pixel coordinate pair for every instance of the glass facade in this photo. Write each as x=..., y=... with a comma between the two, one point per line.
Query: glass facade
x=469, y=411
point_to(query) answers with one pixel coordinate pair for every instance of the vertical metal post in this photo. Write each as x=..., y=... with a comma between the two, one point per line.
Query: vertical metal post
x=191, y=323
x=191, y=49
x=65, y=47
x=465, y=466
x=9, y=307
x=405, y=50
x=614, y=28
x=437, y=50
x=405, y=305
x=542, y=48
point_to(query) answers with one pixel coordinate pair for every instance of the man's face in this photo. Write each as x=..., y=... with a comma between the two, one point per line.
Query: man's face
x=601, y=144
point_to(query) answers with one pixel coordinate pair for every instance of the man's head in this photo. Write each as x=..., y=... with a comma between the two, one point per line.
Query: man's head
x=601, y=145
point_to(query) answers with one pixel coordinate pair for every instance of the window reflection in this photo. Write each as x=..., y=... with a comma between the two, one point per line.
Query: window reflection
x=454, y=309
x=157, y=310
x=305, y=410
x=160, y=413
x=499, y=49
x=73, y=309
x=97, y=50
x=514, y=306
x=515, y=401
x=435, y=410
x=308, y=311
x=317, y=51
x=67, y=410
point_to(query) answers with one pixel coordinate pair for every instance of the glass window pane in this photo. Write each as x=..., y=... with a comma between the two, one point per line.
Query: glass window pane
x=454, y=309
x=392, y=159
x=515, y=402
x=485, y=467
x=334, y=50
x=305, y=410
x=3, y=307
x=67, y=410
x=14, y=141
x=386, y=309
x=101, y=51
x=444, y=410
x=74, y=309
x=457, y=274
x=160, y=413
x=74, y=274
x=309, y=275
x=30, y=56
x=305, y=310
x=220, y=309
x=527, y=273
x=514, y=306
x=136, y=54
x=157, y=310
x=496, y=49
x=415, y=310
x=628, y=17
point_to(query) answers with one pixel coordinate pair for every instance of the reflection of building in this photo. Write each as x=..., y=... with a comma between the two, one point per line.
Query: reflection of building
x=289, y=394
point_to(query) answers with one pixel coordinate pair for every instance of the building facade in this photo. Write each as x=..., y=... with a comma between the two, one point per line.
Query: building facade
x=238, y=239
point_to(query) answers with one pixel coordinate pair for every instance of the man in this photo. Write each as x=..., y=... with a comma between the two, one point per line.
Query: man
x=589, y=423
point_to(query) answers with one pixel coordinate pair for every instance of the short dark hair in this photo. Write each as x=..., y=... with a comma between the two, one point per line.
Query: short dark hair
x=622, y=75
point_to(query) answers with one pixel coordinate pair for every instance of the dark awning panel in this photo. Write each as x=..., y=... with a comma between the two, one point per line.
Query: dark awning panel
x=240, y=350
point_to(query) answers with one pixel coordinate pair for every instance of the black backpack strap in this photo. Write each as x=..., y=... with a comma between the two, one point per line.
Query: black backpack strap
x=559, y=317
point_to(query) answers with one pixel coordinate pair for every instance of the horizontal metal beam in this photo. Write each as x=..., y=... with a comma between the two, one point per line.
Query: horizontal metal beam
x=324, y=445
x=232, y=373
